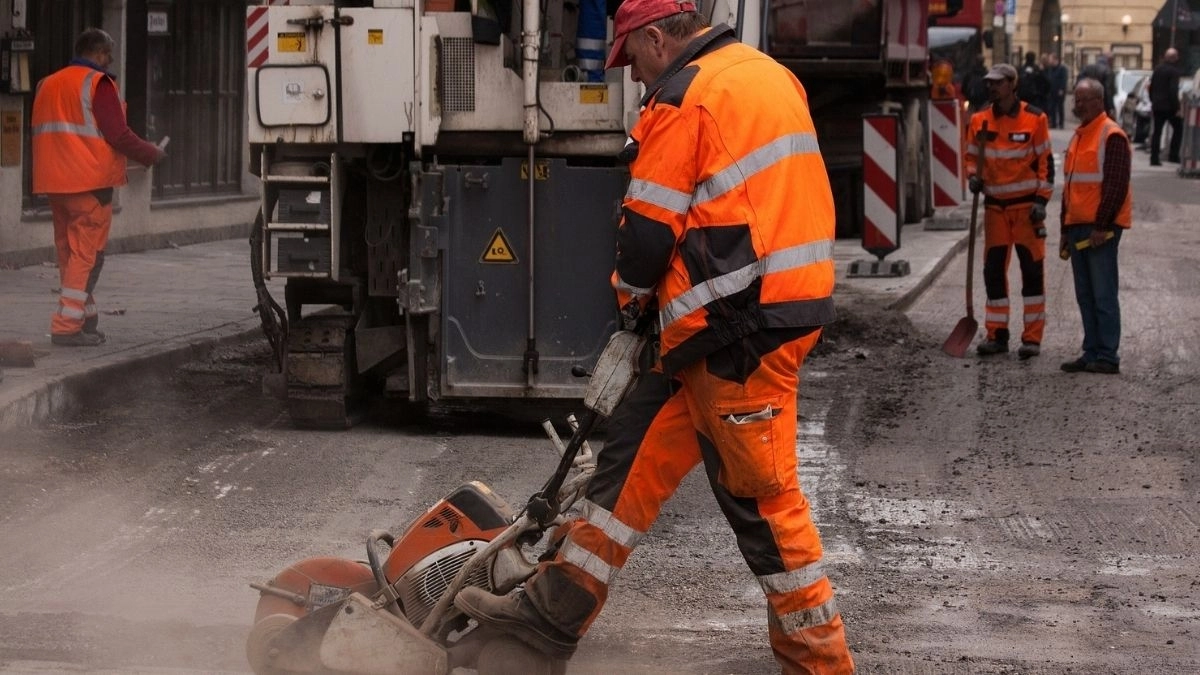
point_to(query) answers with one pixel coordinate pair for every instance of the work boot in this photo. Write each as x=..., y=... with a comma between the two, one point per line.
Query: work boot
x=513, y=614
x=1103, y=367
x=1029, y=350
x=1076, y=366
x=89, y=327
x=79, y=339
x=990, y=347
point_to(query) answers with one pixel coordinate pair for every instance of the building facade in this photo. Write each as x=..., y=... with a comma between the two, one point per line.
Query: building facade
x=180, y=66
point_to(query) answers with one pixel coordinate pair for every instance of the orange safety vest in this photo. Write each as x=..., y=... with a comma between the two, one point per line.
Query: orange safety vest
x=733, y=201
x=1016, y=163
x=1084, y=173
x=70, y=154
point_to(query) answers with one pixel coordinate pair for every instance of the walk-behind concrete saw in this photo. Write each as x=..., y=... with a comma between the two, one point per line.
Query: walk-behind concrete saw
x=394, y=614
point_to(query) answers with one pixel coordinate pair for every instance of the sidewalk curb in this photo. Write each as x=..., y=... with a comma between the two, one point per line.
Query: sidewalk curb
x=913, y=294
x=69, y=389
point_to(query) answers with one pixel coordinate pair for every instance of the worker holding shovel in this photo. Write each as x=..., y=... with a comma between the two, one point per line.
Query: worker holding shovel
x=1013, y=172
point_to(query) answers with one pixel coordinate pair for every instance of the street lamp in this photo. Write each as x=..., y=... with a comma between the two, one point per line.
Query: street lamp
x=1125, y=21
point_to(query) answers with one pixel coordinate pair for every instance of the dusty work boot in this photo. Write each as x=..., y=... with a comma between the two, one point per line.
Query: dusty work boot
x=90, y=327
x=990, y=347
x=79, y=339
x=513, y=614
x=1029, y=350
x=1076, y=366
x=1103, y=367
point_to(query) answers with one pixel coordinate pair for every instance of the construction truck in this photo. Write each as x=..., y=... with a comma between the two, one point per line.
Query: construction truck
x=441, y=184
x=440, y=191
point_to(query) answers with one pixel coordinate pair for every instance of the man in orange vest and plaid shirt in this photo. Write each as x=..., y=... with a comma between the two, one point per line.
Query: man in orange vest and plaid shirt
x=80, y=143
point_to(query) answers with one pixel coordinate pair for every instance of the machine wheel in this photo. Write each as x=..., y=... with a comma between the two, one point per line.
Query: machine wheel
x=259, y=651
x=505, y=654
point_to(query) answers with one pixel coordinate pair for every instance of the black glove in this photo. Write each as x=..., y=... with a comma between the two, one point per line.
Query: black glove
x=976, y=184
x=1037, y=214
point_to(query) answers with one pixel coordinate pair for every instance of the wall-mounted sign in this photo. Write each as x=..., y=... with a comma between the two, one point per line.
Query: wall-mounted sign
x=10, y=137
x=157, y=23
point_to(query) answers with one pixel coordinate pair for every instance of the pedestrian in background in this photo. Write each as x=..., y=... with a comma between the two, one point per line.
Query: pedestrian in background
x=80, y=143
x=1097, y=206
x=728, y=227
x=1056, y=77
x=974, y=88
x=1032, y=86
x=1164, y=104
x=1014, y=175
x=1101, y=71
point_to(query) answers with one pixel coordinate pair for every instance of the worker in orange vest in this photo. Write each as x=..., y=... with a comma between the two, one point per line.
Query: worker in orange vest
x=1015, y=175
x=80, y=142
x=1097, y=207
x=728, y=228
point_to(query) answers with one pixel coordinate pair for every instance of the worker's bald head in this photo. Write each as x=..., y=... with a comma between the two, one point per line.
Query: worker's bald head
x=1171, y=55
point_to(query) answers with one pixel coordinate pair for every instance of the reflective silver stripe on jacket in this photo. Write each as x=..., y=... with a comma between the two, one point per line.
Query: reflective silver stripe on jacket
x=610, y=525
x=761, y=158
x=1097, y=177
x=88, y=128
x=1019, y=187
x=70, y=312
x=738, y=280
x=786, y=582
x=588, y=562
x=808, y=618
x=658, y=195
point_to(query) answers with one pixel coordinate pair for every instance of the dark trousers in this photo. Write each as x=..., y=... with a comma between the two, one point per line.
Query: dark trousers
x=1096, y=283
x=1056, y=111
x=1156, y=136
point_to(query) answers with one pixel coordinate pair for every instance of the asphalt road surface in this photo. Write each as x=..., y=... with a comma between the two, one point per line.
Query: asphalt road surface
x=979, y=516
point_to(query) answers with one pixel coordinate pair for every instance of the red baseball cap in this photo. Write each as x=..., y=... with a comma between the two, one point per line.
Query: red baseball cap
x=632, y=15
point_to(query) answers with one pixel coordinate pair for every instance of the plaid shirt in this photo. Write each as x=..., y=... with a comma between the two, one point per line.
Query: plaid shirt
x=1115, y=185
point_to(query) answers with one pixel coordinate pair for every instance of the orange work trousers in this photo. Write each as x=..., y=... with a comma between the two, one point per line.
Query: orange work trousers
x=81, y=227
x=1005, y=229
x=735, y=412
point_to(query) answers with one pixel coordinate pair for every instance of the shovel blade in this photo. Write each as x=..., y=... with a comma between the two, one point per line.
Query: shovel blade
x=961, y=337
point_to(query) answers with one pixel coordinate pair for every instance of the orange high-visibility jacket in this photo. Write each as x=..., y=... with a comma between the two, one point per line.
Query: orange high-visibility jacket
x=1016, y=163
x=70, y=154
x=1084, y=174
x=729, y=216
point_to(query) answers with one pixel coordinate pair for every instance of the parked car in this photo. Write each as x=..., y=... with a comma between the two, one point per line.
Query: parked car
x=1136, y=117
x=1126, y=79
x=1134, y=114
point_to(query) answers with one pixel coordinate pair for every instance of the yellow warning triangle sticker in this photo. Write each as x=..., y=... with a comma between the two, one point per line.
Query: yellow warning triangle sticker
x=498, y=250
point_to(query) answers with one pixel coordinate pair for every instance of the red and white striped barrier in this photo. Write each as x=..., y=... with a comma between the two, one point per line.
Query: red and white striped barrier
x=945, y=149
x=881, y=188
x=881, y=197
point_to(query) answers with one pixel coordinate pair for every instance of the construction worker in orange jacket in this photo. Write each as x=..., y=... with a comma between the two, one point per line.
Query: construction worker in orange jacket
x=80, y=142
x=1015, y=174
x=728, y=229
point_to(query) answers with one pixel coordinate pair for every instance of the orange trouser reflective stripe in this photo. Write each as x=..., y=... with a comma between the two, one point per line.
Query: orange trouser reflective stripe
x=1006, y=228
x=655, y=438
x=81, y=227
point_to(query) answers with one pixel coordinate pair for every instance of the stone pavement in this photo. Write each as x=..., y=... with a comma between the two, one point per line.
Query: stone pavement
x=162, y=308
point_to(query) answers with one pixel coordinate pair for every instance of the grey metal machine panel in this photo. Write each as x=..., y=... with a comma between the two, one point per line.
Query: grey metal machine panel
x=485, y=308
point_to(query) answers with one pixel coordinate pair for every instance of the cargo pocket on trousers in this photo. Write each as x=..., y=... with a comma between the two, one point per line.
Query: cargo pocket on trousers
x=747, y=434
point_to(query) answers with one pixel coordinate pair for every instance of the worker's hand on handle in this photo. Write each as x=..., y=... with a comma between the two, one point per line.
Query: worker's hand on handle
x=1099, y=236
x=975, y=183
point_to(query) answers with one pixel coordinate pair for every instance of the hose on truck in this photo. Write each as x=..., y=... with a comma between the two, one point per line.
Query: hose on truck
x=273, y=317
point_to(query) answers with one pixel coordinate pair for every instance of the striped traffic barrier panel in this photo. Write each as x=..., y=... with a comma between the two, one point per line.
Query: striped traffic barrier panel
x=881, y=197
x=946, y=136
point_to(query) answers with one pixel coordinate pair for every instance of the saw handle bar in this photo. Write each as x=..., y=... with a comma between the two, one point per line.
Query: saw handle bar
x=545, y=505
x=389, y=597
